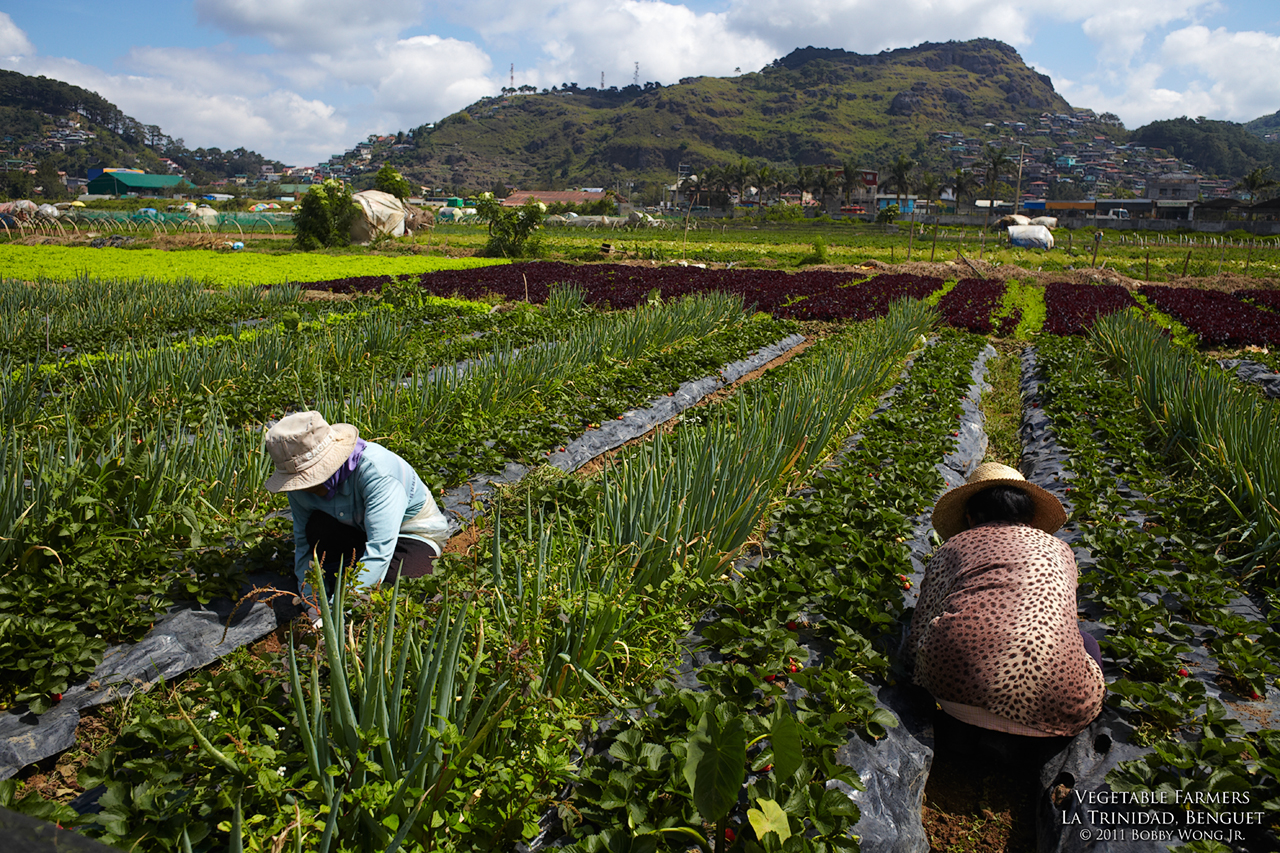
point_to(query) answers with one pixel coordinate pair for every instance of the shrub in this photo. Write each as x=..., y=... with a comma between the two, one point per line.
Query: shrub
x=324, y=217
x=888, y=214
x=512, y=230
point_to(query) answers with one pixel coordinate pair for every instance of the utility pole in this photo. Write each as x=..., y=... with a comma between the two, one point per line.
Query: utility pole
x=513, y=75
x=635, y=78
x=601, y=81
x=1017, y=194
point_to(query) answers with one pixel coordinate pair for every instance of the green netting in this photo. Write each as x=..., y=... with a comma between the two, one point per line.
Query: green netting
x=120, y=220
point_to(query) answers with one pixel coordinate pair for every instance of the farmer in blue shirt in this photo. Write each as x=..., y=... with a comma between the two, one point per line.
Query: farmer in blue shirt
x=353, y=502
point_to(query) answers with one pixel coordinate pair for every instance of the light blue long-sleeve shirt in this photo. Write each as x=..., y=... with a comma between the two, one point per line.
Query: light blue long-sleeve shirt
x=386, y=499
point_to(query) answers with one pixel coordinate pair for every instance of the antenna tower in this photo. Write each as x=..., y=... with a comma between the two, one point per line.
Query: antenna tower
x=513, y=75
x=602, y=81
x=635, y=78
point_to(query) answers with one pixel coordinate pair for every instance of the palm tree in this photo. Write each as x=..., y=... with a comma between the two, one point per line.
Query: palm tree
x=900, y=177
x=995, y=162
x=740, y=176
x=804, y=179
x=851, y=178
x=827, y=183
x=767, y=176
x=961, y=183
x=1256, y=183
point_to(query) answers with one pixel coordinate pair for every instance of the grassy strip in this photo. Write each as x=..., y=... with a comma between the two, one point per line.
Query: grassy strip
x=210, y=267
x=1025, y=300
x=1002, y=407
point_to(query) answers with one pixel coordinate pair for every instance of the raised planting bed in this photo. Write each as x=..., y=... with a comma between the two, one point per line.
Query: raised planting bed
x=1071, y=309
x=1218, y=319
x=807, y=295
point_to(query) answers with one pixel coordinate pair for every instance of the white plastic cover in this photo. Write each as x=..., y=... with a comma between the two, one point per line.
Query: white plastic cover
x=1049, y=222
x=381, y=213
x=1030, y=237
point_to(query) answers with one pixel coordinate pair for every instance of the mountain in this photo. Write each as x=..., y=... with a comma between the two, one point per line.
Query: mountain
x=814, y=106
x=1264, y=126
x=1215, y=147
x=74, y=129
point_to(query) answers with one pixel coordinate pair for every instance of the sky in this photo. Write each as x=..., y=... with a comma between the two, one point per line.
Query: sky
x=301, y=80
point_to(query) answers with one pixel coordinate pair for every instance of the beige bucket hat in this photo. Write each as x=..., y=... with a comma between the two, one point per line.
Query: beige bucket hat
x=948, y=515
x=307, y=450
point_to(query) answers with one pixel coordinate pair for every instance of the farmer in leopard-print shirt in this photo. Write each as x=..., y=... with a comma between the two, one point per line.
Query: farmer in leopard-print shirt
x=995, y=636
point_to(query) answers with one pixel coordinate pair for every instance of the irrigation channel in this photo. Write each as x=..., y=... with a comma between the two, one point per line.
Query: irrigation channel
x=188, y=638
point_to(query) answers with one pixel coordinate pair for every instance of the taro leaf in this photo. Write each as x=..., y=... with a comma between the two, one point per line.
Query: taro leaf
x=784, y=735
x=770, y=817
x=716, y=765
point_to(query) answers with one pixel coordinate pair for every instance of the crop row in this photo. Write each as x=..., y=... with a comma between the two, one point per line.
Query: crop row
x=558, y=610
x=1166, y=589
x=806, y=295
x=210, y=267
x=134, y=464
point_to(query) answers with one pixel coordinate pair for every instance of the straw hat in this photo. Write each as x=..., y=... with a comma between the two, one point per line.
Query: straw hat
x=948, y=515
x=307, y=450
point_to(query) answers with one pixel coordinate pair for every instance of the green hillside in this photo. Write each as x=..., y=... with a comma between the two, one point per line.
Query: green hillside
x=43, y=121
x=1215, y=147
x=815, y=106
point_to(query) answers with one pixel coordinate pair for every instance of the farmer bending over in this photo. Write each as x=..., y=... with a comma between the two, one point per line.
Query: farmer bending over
x=995, y=636
x=352, y=501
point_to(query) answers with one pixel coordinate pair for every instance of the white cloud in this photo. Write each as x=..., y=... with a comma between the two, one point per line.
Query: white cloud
x=310, y=26
x=13, y=41
x=1238, y=68
x=869, y=26
x=579, y=39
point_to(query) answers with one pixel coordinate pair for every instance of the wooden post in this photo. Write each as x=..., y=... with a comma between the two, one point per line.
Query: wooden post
x=1222, y=257
x=1097, y=241
x=935, y=239
x=1184, y=264
x=1148, y=275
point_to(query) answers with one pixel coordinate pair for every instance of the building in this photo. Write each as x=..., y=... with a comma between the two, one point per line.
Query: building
x=135, y=183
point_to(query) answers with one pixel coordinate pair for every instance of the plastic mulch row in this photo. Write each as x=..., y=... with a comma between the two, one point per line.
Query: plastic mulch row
x=1077, y=811
x=893, y=769
x=188, y=638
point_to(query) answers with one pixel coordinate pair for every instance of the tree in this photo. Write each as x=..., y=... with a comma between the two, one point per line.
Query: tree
x=995, y=162
x=17, y=183
x=512, y=230
x=388, y=180
x=851, y=178
x=324, y=216
x=51, y=186
x=827, y=183
x=900, y=177
x=1256, y=183
x=961, y=183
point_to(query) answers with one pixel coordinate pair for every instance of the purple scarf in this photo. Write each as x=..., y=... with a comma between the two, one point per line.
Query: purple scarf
x=340, y=476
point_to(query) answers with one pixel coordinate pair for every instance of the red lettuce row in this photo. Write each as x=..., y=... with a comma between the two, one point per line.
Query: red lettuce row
x=1216, y=318
x=971, y=303
x=1269, y=299
x=1071, y=309
x=807, y=295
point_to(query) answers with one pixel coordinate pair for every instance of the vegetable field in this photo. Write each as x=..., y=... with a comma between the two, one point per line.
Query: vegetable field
x=693, y=509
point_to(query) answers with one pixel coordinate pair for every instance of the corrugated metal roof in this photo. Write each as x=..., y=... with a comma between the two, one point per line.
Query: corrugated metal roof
x=128, y=181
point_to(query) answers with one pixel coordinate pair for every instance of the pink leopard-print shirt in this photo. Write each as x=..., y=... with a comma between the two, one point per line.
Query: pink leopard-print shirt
x=995, y=627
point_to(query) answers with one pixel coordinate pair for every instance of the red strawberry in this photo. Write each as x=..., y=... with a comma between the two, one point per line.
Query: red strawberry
x=771, y=678
x=767, y=768
x=1183, y=672
x=791, y=626
x=730, y=835
x=1256, y=697
x=57, y=697
x=794, y=667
